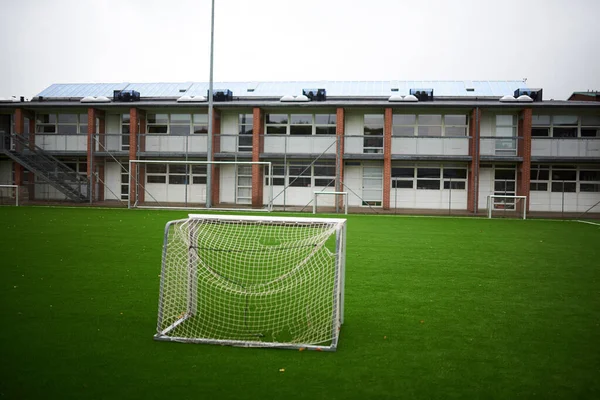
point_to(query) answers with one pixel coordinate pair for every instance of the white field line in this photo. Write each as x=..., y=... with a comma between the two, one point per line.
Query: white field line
x=586, y=222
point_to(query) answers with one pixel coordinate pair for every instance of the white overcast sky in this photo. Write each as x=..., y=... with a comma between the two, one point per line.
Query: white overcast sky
x=555, y=44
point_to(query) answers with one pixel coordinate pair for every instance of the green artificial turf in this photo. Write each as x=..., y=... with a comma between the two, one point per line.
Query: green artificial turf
x=436, y=308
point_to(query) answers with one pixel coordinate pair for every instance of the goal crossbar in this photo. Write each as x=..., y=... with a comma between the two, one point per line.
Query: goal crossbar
x=491, y=203
x=253, y=281
x=135, y=181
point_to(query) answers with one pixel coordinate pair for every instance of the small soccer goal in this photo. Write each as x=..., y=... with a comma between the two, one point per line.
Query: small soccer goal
x=253, y=281
x=182, y=184
x=9, y=195
x=506, y=206
x=333, y=202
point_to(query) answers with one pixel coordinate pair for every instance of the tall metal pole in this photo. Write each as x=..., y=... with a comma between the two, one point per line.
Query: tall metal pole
x=209, y=143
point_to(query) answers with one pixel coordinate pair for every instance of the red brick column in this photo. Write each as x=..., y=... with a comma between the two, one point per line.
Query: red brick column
x=216, y=148
x=142, y=144
x=31, y=177
x=524, y=151
x=133, y=144
x=339, y=156
x=257, y=148
x=473, y=185
x=95, y=123
x=387, y=157
x=19, y=130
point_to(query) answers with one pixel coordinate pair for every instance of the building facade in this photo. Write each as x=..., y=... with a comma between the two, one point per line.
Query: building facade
x=390, y=145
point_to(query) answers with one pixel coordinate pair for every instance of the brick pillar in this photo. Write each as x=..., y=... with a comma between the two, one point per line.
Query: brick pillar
x=91, y=150
x=19, y=130
x=387, y=157
x=257, y=148
x=133, y=144
x=524, y=151
x=473, y=184
x=141, y=115
x=31, y=177
x=216, y=148
x=339, y=156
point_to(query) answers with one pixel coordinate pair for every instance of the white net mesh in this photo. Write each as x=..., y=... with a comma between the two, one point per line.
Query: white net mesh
x=251, y=282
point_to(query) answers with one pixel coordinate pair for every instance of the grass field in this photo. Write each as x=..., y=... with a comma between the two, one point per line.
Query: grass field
x=436, y=308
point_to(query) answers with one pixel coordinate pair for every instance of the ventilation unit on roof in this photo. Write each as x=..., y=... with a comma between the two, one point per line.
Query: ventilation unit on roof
x=126, y=95
x=221, y=95
x=535, y=94
x=422, y=94
x=315, y=94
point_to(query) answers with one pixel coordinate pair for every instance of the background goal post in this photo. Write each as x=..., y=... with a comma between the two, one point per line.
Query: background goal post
x=9, y=195
x=507, y=206
x=335, y=195
x=181, y=184
x=253, y=281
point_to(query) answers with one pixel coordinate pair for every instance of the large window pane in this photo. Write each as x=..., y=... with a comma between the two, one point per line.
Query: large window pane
x=428, y=172
x=180, y=119
x=374, y=119
x=543, y=120
x=277, y=118
x=301, y=119
x=456, y=131
x=180, y=130
x=325, y=130
x=455, y=173
x=564, y=175
x=559, y=187
x=428, y=184
x=430, y=119
x=157, y=118
x=399, y=172
x=67, y=118
x=404, y=119
x=455, y=119
x=430, y=130
x=589, y=176
x=565, y=120
x=403, y=130
x=325, y=119
x=504, y=174
x=402, y=184
x=301, y=130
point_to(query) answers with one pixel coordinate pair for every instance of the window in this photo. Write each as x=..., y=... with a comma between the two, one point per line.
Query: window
x=590, y=126
x=125, y=130
x=506, y=127
x=300, y=124
x=244, y=184
x=373, y=133
x=564, y=126
x=434, y=177
x=299, y=174
x=325, y=124
x=429, y=125
x=156, y=173
x=303, y=174
x=564, y=179
x=245, y=128
x=540, y=126
x=63, y=124
x=539, y=178
x=177, y=124
x=276, y=124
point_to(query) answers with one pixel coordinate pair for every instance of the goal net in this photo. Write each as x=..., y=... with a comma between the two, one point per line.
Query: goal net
x=506, y=206
x=182, y=184
x=253, y=281
x=9, y=195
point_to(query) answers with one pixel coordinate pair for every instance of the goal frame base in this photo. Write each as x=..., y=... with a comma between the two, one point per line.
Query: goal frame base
x=16, y=188
x=162, y=334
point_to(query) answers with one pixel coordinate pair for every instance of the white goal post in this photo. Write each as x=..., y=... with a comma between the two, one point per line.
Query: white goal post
x=343, y=194
x=187, y=183
x=253, y=281
x=506, y=203
x=9, y=192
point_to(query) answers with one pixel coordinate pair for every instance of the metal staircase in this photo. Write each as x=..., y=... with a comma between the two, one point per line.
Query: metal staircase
x=46, y=167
